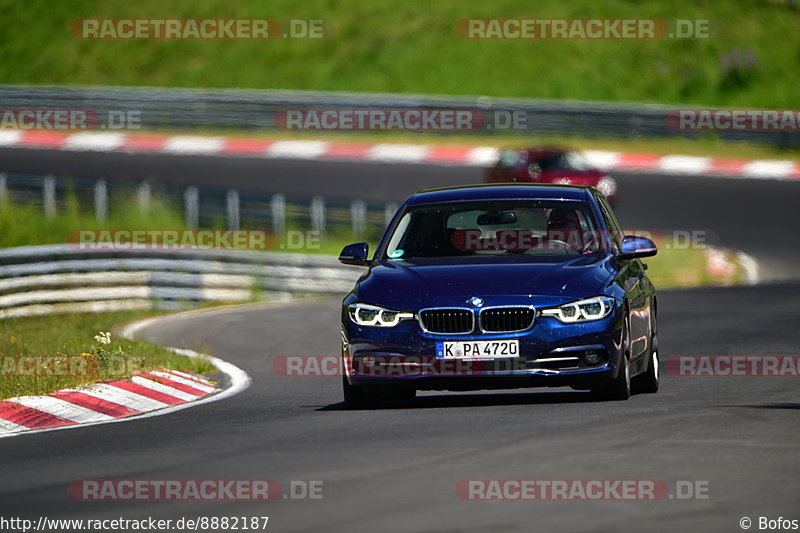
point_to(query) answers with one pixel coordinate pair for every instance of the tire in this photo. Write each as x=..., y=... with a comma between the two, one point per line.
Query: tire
x=619, y=388
x=355, y=397
x=649, y=382
x=374, y=397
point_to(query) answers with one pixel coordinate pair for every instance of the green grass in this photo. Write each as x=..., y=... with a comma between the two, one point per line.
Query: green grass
x=71, y=339
x=25, y=224
x=682, y=268
x=411, y=46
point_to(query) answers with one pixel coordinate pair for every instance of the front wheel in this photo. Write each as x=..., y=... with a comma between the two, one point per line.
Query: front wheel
x=619, y=388
x=374, y=397
x=354, y=397
x=650, y=380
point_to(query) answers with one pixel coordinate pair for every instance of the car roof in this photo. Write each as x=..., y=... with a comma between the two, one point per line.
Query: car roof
x=547, y=151
x=502, y=191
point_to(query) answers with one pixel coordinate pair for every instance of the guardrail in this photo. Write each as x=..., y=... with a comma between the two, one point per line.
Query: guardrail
x=295, y=219
x=191, y=109
x=37, y=280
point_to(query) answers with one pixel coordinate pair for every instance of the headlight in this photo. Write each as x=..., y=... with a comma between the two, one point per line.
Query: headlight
x=371, y=315
x=582, y=310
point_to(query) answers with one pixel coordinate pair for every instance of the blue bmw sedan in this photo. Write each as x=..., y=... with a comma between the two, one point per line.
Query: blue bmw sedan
x=498, y=287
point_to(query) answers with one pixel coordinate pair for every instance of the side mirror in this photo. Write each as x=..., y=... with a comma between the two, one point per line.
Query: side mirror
x=355, y=254
x=633, y=246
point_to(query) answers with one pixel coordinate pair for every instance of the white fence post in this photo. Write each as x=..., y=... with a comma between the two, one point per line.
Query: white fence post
x=318, y=216
x=232, y=209
x=143, y=196
x=100, y=200
x=278, y=212
x=49, y=196
x=358, y=218
x=389, y=211
x=3, y=188
x=191, y=199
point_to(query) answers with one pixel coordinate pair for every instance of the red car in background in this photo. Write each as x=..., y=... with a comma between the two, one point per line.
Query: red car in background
x=551, y=165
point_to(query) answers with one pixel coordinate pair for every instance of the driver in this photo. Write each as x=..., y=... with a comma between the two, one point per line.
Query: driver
x=562, y=219
x=563, y=225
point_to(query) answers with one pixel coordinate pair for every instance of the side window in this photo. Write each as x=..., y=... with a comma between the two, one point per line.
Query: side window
x=511, y=158
x=611, y=223
x=577, y=161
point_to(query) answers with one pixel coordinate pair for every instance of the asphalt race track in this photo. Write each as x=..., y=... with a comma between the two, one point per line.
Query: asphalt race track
x=397, y=469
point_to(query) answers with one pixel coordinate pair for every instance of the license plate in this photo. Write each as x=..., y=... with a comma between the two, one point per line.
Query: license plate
x=477, y=349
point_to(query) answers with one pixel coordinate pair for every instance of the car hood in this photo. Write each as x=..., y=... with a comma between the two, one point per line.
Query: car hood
x=439, y=282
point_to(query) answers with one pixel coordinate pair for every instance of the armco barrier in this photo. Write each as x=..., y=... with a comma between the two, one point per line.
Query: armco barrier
x=36, y=280
x=194, y=109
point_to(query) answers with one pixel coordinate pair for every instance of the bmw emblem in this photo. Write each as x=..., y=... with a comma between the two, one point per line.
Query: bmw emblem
x=476, y=301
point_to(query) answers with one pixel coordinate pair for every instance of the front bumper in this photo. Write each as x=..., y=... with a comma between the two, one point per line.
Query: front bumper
x=551, y=354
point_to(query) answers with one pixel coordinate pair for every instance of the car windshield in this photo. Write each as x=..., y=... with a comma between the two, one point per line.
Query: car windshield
x=510, y=158
x=548, y=162
x=496, y=227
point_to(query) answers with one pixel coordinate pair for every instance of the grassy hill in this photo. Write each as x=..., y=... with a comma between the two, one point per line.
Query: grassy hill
x=752, y=58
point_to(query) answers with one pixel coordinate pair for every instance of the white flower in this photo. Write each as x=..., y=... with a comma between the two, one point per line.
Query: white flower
x=104, y=337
